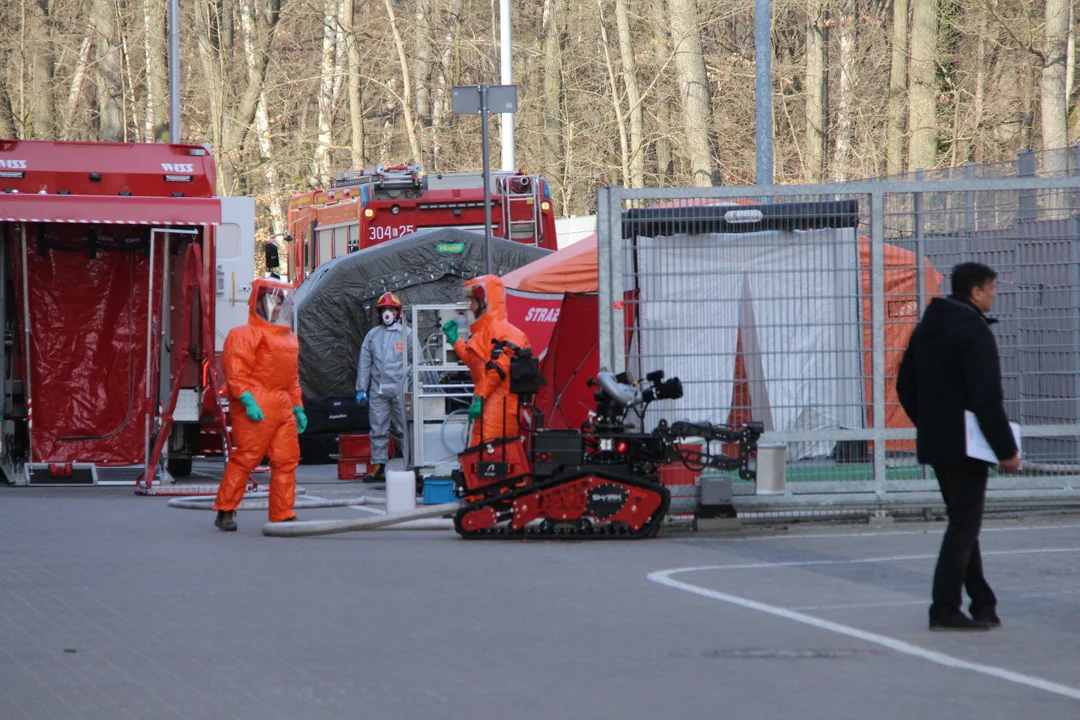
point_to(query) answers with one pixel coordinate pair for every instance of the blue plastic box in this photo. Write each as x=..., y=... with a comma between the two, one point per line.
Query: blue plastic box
x=438, y=491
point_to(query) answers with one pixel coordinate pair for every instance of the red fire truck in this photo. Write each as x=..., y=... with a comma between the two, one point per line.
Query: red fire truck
x=366, y=207
x=120, y=275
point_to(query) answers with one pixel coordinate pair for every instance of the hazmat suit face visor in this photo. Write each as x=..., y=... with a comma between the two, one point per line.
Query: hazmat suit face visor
x=274, y=305
x=477, y=299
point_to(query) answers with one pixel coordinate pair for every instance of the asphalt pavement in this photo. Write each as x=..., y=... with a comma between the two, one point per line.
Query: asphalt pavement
x=117, y=606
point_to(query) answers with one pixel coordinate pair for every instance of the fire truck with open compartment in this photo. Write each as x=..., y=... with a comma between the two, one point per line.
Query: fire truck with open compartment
x=121, y=273
x=367, y=207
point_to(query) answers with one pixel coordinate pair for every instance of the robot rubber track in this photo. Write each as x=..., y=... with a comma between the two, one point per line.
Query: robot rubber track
x=578, y=529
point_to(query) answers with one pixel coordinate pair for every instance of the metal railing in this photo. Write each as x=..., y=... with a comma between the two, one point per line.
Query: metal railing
x=794, y=307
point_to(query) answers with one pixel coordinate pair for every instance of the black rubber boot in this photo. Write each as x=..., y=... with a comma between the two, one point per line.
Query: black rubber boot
x=224, y=520
x=377, y=475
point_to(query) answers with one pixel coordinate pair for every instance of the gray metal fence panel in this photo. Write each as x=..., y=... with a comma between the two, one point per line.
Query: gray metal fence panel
x=799, y=319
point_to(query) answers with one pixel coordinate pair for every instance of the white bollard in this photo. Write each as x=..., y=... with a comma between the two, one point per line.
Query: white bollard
x=400, y=491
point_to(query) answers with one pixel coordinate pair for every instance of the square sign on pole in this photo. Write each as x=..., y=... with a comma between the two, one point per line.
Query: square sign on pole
x=484, y=99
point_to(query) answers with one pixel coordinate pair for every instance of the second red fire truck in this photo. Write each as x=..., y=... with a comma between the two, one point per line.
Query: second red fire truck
x=367, y=207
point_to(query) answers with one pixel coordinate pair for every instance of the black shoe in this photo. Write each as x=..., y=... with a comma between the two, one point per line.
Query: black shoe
x=987, y=616
x=224, y=520
x=958, y=621
x=377, y=475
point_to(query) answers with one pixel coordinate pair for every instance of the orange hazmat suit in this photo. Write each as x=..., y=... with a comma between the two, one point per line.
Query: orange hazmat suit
x=262, y=374
x=491, y=378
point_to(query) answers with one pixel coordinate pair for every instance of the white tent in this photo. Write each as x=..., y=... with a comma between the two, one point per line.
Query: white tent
x=794, y=296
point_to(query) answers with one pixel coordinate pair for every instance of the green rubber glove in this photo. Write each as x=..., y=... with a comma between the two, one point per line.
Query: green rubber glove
x=450, y=330
x=477, y=408
x=254, y=412
x=301, y=418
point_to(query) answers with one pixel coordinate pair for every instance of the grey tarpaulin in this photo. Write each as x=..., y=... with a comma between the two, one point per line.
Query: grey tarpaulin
x=335, y=306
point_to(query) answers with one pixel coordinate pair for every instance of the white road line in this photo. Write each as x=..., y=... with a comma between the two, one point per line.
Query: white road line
x=857, y=606
x=664, y=577
x=860, y=535
x=864, y=561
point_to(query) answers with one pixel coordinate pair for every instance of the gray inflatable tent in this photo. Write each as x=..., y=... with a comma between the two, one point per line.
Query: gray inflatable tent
x=335, y=306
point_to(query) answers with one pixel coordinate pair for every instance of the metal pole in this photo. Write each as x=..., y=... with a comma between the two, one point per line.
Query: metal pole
x=27, y=338
x=763, y=90
x=505, y=58
x=149, y=476
x=174, y=71
x=487, y=178
x=877, y=314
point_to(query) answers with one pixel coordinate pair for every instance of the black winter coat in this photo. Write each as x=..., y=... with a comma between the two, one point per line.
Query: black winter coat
x=951, y=365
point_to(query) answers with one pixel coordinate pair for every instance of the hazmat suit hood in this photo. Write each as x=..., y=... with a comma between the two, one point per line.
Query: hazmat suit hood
x=494, y=295
x=266, y=292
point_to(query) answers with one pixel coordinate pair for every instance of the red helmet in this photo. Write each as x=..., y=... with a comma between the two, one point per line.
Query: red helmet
x=390, y=300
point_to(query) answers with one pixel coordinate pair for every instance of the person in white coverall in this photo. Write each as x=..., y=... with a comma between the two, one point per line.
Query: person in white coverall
x=380, y=381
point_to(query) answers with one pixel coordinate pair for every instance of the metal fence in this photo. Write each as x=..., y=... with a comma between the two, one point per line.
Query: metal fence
x=794, y=308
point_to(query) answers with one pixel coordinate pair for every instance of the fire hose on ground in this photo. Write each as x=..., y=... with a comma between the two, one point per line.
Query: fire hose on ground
x=421, y=518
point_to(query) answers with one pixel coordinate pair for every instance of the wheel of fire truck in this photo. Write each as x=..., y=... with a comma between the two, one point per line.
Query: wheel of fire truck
x=584, y=496
x=179, y=466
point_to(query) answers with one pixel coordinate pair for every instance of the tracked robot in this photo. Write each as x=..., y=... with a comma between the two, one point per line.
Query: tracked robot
x=601, y=481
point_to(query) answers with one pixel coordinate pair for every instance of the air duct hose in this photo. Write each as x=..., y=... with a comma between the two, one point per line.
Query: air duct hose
x=260, y=501
x=308, y=528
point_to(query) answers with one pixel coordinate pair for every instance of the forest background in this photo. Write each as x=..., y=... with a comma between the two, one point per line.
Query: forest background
x=290, y=93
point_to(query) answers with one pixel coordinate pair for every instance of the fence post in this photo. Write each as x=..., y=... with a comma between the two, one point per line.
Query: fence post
x=1025, y=167
x=603, y=272
x=618, y=296
x=920, y=246
x=877, y=297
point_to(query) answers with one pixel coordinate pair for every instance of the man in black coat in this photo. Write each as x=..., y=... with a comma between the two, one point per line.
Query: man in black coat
x=951, y=365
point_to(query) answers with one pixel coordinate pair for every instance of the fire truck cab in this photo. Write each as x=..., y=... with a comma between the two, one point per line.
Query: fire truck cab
x=367, y=207
x=121, y=273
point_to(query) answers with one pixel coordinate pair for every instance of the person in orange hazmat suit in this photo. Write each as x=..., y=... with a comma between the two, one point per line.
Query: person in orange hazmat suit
x=263, y=380
x=492, y=404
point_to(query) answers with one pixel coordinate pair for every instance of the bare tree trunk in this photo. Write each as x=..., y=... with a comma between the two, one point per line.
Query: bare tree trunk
x=110, y=92
x=421, y=73
x=157, y=82
x=814, y=152
x=922, y=119
x=633, y=95
x=845, y=108
x=356, y=98
x=75, y=93
x=554, y=119
x=42, y=113
x=1053, y=82
x=1027, y=104
x=693, y=88
x=894, y=128
x=326, y=95
x=127, y=83
x=7, y=116
x=406, y=82
x=1070, y=57
x=440, y=110
x=262, y=125
x=620, y=121
x=206, y=33
x=980, y=82
x=661, y=40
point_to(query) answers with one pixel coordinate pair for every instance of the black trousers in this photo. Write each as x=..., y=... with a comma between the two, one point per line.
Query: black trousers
x=959, y=562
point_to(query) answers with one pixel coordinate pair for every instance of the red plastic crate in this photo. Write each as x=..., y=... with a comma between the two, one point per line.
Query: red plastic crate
x=355, y=447
x=351, y=469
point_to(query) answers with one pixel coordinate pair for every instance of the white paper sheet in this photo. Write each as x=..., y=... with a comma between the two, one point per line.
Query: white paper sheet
x=977, y=446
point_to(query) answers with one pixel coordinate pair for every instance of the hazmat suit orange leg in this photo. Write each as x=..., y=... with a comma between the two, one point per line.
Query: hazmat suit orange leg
x=254, y=442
